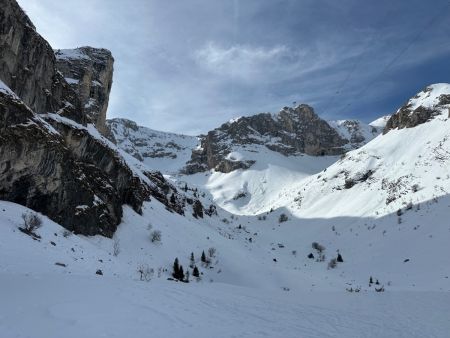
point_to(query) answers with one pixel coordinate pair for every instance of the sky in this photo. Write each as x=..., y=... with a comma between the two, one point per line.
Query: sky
x=189, y=66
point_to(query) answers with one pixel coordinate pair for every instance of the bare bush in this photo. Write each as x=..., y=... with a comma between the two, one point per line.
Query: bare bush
x=212, y=252
x=282, y=218
x=31, y=222
x=145, y=272
x=155, y=236
x=332, y=263
x=316, y=246
x=116, y=247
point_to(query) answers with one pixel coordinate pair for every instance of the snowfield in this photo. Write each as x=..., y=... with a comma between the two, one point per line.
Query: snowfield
x=41, y=299
x=279, y=230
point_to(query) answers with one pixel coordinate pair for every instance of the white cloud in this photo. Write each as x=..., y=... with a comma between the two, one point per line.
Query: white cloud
x=244, y=62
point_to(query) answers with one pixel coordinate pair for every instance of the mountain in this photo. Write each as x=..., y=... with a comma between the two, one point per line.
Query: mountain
x=89, y=71
x=356, y=132
x=53, y=159
x=403, y=168
x=297, y=227
x=166, y=152
x=292, y=131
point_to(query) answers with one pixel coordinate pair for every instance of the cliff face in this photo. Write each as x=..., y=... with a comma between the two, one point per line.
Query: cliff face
x=28, y=66
x=89, y=71
x=421, y=108
x=54, y=162
x=291, y=131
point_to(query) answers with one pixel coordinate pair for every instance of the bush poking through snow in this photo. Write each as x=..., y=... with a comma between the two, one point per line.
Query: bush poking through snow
x=145, y=272
x=31, y=221
x=316, y=246
x=116, y=247
x=332, y=263
x=155, y=236
x=212, y=252
x=283, y=218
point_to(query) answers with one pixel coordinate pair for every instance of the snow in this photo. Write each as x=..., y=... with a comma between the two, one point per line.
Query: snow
x=94, y=307
x=430, y=96
x=71, y=81
x=380, y=123
x=6, y=90
x=165, y=152
x=260, y=283
x=70, y=54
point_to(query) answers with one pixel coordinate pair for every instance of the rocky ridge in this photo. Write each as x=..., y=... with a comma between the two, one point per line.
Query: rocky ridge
x=89, y=71
x=292, y=131
x=57, y=163
x=423, y=107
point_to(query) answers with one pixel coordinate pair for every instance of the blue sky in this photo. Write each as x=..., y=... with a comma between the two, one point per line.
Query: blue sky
x=188, y=66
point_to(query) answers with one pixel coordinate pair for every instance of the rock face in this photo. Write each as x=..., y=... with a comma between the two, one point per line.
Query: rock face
x=163, y=151
x=89, y=71
x=291, y=131
x=28, y=65
x=421, y=108
x=355, y=132
x=51, y=162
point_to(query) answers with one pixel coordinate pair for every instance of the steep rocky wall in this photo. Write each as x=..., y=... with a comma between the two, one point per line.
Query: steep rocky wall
x=90, y=73
x=28, y=65
x=291, y=131
x=57, y=166
x=38, y=171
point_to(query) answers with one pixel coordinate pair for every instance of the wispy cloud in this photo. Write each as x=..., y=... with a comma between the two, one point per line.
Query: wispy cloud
x=187, y=66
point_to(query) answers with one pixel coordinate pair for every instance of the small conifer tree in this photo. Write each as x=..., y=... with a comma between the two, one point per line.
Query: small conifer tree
x=176, y=269
x=195, y=272
x=192, y=261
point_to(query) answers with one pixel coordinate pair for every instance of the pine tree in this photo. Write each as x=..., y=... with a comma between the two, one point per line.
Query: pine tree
x=181, y=273
x=186, y=279
x=176, y=269
x=185, y=187
x=370, y=280
x=191, y=265
x=172, y=199
x=339, y=258
x=203, y=257
x=196, y=273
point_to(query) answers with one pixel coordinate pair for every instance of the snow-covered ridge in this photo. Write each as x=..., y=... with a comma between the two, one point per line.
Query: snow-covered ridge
x=70, y=54
x=166, y=152
x=356, y=132
x=430, y=97
x=6, y=90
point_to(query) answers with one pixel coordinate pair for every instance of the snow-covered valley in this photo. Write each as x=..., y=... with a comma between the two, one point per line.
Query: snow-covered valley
x=277, y=224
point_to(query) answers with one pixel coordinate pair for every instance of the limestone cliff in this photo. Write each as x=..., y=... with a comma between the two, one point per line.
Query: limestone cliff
x=89, y=71
x=291, y=131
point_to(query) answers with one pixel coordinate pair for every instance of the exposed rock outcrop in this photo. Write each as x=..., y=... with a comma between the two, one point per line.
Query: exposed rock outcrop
x=355, y=132
x=158, y=150
x=89, y=71
x=291, y=131
x=427, y=104
x=51, y=162
x=28, y=65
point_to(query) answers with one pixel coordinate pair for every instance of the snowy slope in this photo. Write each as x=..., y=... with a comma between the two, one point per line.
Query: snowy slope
x=355, y=131
x=166, y=152
x=260, y=277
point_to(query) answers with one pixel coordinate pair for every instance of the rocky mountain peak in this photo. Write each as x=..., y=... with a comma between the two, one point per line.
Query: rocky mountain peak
x=89, y=71
x=297, y=130
x=432, y=101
